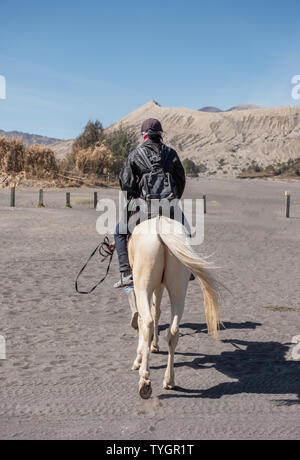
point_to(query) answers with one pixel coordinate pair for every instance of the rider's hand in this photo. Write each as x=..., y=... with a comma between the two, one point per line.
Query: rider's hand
x=112, y=247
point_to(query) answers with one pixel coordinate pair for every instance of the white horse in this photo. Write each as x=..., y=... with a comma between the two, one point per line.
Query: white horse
x=161, y=255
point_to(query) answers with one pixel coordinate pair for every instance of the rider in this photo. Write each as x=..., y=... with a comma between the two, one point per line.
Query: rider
x=138, y=165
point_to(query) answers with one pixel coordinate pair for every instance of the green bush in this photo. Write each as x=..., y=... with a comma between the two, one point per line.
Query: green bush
x=202, y=168
x=189, y=166
x=192, y=169
x=221, y=162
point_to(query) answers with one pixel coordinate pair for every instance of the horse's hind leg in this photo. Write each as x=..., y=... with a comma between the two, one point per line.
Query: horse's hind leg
x=173, y=336
x=155, y=312
x=147, y=260
x=146, y=331
x=138, y=361
x=176, y=281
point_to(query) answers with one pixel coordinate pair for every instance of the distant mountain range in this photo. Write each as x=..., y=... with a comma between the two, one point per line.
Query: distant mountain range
x=237, y=108
x=223, y=141
x=61, y=147
x=210, y=109
x=29, y=139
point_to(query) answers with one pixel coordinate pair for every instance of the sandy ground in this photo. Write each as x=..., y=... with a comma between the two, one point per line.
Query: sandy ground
x=67, y=373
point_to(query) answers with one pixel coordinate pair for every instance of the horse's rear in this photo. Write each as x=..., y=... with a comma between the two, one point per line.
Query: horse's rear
x=160, y=257
x=147, y=258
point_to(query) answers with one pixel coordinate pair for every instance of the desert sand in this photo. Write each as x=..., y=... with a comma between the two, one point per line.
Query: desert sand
x=67, y=373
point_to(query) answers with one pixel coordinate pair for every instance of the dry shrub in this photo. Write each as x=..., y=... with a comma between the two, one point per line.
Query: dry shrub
x=68, y=163
x=96, y=160
x=40, y=163
x=11, y=155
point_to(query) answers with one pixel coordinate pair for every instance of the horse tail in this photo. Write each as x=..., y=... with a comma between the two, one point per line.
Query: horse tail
x=174, y=236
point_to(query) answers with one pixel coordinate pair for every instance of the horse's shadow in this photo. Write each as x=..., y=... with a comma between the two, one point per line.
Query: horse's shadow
x=198, y=328
x=260, y=368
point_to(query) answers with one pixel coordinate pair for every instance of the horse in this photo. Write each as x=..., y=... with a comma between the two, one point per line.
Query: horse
x=161, y=256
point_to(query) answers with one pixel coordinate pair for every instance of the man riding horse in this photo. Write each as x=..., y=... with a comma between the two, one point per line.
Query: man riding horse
x=139, y=180
x=164, y=258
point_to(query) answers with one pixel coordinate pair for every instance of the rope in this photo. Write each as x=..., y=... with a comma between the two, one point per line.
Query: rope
x=105, y=252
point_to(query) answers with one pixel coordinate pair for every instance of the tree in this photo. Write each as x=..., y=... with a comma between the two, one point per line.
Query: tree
x=121, y=142
x=92, y=135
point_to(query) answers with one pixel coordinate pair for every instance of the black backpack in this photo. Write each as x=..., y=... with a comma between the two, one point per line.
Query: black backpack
x=157, y=184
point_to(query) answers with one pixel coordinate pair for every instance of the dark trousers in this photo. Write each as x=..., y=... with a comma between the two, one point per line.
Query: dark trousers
x=121, y=247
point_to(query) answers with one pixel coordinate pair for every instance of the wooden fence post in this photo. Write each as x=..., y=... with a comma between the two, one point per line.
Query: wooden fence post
x=288, y=203
x=204, y=199
x=68, y=200
x=95, y=200
x=41, y=199
x=12, y=197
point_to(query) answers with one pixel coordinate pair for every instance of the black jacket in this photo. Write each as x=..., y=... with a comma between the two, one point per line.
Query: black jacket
x=135, y=168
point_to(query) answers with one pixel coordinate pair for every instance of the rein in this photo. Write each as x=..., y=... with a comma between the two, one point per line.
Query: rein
x=105, y=252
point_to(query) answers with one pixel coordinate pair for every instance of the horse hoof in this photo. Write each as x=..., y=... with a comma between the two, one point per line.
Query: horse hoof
x=168, y=386
x=135, y=367
x=154, y=349
x=145, y=389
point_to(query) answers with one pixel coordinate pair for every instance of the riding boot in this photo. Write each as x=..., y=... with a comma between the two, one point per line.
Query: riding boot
x=133, y=307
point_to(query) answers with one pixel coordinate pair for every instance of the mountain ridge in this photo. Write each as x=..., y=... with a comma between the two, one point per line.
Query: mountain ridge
x=28, y=138
x=225, y=142
x=61, y=147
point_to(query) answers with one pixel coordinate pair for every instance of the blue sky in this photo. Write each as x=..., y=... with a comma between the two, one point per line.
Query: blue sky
x=66, y=62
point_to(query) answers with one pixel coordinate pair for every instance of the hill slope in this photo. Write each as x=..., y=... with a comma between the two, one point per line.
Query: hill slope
x=226, y=141
x=60, y=147
x=28, y=139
